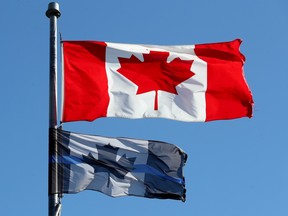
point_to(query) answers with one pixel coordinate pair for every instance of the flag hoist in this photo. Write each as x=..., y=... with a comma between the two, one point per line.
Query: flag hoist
x=53, y=14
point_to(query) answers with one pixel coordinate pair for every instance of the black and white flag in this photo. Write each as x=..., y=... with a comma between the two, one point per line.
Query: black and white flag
x=119, y=166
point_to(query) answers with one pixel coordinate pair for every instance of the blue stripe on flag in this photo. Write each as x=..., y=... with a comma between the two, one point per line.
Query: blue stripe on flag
x=138, y=168
x=66, y=159
x=143, y=168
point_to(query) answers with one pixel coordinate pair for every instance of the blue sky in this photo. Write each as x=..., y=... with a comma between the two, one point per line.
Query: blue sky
x=234, y=168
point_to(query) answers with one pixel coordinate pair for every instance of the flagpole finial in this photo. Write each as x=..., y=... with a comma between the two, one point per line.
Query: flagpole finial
x=53, y=9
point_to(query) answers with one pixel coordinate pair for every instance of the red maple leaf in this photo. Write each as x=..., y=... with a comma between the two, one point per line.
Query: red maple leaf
x=155, y=73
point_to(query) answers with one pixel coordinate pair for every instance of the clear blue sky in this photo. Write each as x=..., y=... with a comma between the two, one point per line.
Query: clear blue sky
x=235, y=168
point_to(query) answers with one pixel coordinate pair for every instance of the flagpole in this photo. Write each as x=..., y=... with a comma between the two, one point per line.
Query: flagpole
x=53, y=14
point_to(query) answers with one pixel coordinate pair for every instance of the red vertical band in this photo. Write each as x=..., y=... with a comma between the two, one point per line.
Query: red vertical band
x=85, y=81
x=228, y=95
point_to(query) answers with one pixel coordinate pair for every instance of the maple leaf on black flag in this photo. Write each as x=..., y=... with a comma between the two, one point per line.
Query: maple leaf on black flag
x=106, y=161
x=108, y=165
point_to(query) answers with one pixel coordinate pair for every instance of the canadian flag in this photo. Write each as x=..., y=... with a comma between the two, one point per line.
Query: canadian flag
x=194, y=83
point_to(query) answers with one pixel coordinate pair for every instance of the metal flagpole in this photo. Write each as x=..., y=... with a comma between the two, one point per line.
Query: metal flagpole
x=53, y=14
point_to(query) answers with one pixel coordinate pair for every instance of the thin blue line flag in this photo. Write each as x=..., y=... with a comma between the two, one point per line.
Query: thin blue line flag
x=119, y=166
